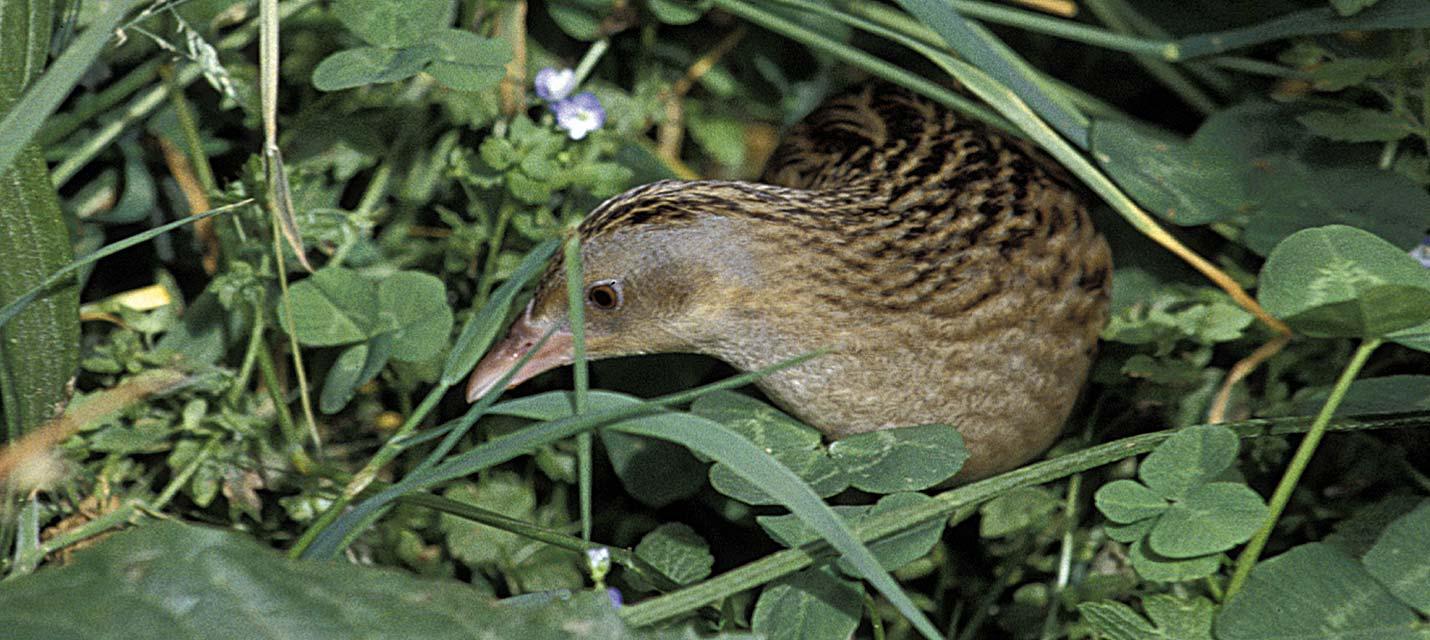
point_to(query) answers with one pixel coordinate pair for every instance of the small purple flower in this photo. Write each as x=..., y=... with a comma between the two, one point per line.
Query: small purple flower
x=579, y=115
x=553, y=85
x=615, y=595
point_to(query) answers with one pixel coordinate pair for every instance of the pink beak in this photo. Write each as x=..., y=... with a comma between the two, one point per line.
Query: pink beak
x=520, y=339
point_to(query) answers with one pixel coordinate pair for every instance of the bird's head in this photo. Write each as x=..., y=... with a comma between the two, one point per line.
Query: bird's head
x=666, y=267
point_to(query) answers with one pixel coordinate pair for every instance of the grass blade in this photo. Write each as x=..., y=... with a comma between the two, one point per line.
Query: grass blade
x=15, y=306
x=482, y=328
x=989, y=54
x=717, y=442
x=335, y=535
x=576, y=316
x=24, y=118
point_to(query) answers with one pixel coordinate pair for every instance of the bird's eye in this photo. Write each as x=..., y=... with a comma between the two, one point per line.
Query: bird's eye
x=604, y=295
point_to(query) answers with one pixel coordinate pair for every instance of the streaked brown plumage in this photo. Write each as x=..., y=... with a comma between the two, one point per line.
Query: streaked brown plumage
x=953, y=276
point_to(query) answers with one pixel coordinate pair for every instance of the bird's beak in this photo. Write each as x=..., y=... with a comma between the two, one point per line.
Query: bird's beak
x=520, y=339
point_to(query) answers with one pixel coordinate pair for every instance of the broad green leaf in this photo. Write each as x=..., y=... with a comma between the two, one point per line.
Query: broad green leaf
x=1128, y=501
x=1334, y=75
x=1129, y=533
x=1416, y=337
x=1292, y=195
x=1386, y=394
x=1113, y=620
x=1159, y=568
x=1315, y=592
x=1356, y=535
x=354, y=367
x=415, y=305
x=501, y=492
x=678, y=12
x=394, y=23
x=902, y=459
x=813, y=604
x=794, y=444
x=580, y=19
x=1188, y=459
x=1400, y=560
x=1339, y=281
x=655, y=472
x=197, y=583
x=1016, y=510
x=893, y=551
x=334, y=306
x=468, y=62
x=678, y=552
x=1181, y=618
x=370, y=65
x=1211, y=518
x=722, y=137
x=1172, y=618
x=1185, y=183
x=1357, y=125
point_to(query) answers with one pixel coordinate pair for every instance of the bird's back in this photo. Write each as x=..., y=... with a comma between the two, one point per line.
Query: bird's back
x=978, y=263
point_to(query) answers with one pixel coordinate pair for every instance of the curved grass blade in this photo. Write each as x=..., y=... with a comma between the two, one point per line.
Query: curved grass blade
x=336, y=535
x=24, y=118
x=717, y=442
x=989, y=54
x=481, y=329
x=714, y=440
x=853, y=56
x=1386, y=14
x=15, y=306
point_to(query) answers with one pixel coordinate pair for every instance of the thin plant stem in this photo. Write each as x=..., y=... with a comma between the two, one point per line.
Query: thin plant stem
x=178, y=481
x=250, y=358
x=1299, y=461
x=588, y=61
x=1156, y=66
x=876, y=621
x=494, y=242
x=575, y=312
x=268, y=370
x=293, y=347
x=360, y=481
x=892, y=73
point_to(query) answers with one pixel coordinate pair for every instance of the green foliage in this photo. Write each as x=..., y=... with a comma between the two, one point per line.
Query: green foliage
x=162, y=573
x=890, y=461
x=403, y=317
x=408, y=38
x=1339, y=281
x=813, y=603
x=1168, y=617
x=1317, y=591
x=1179, y=517
x=677, y=552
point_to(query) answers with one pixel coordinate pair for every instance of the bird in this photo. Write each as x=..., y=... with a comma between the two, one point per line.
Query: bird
x=949, y=273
